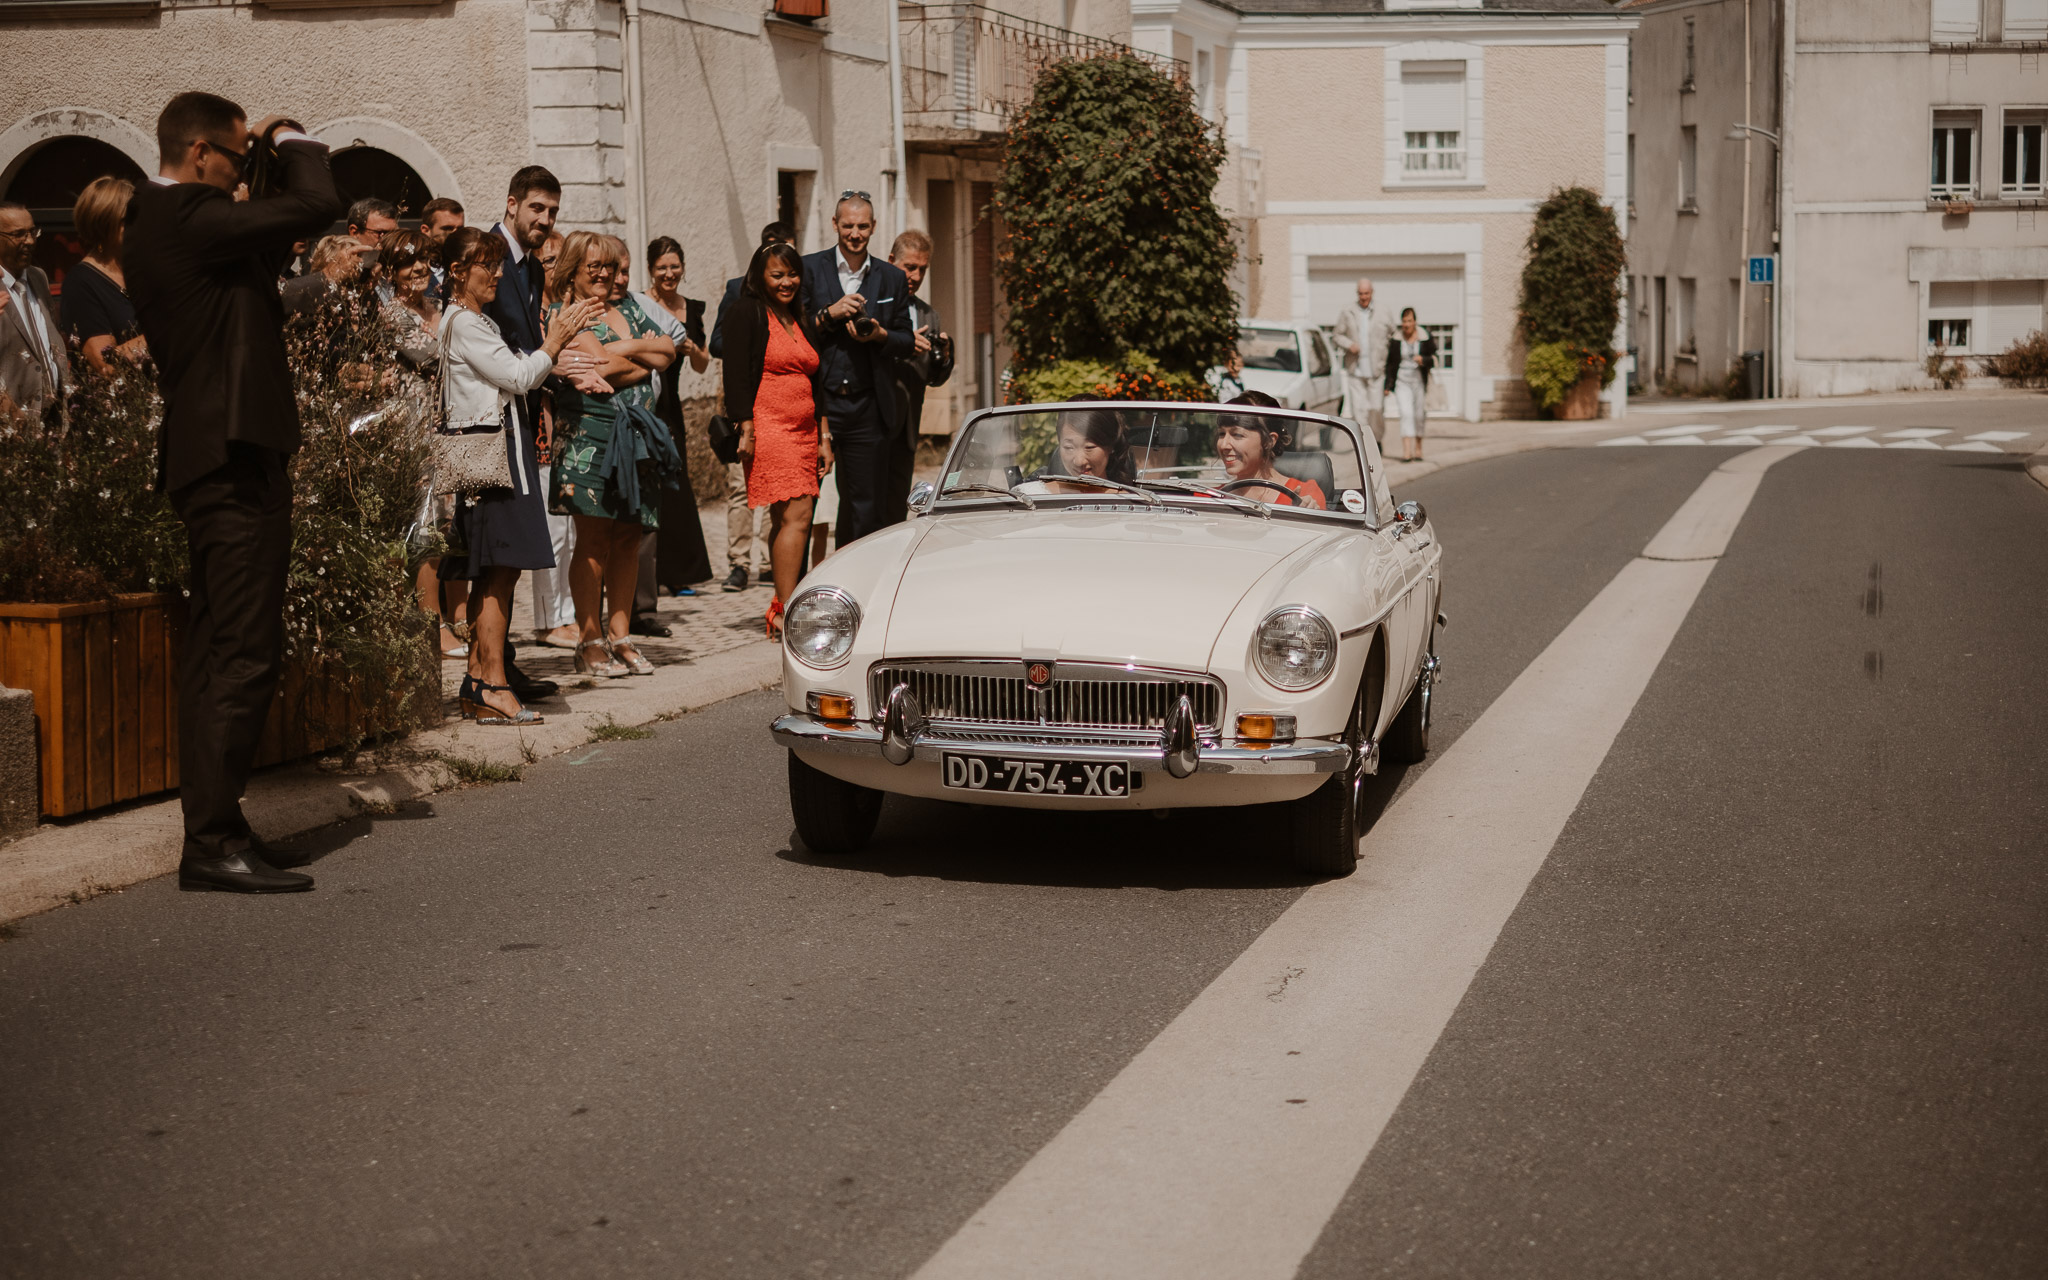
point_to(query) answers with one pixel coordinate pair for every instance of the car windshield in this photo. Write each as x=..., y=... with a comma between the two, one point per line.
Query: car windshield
x=1180, y=453
x=1276, y=349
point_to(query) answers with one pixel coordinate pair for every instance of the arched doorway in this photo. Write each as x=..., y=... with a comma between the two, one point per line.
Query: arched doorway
x=49, y=181
x=362, y=171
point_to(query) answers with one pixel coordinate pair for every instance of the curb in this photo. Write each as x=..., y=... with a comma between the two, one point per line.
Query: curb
x=62, y=864
x=2037, y=467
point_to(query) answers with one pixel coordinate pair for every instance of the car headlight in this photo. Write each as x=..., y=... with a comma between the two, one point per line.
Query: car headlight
x=819, y=627
x=1296, y=647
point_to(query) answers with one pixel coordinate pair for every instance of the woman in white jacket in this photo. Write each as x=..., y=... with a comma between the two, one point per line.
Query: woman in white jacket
x=504, y=531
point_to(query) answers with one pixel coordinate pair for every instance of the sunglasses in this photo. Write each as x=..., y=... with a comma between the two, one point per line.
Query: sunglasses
x=240, y=158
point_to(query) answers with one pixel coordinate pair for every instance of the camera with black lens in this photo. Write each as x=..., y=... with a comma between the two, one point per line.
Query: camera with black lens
x=942, y=347
x=263, y=170
x=866, y=327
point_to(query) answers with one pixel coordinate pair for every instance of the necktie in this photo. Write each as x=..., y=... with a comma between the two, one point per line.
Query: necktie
x=30, y=310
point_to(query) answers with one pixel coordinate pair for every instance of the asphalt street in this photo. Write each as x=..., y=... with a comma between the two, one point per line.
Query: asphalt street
x=1773, y=1005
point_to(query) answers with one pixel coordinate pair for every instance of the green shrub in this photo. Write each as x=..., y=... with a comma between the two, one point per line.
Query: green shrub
x=1571, y=286
x=1115, y=243
x=1551, y=370
x=2023, y=364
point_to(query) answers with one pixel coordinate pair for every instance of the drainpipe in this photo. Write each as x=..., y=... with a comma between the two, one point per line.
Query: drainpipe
x=900, y=218
x=1787, y=224
x=636, y=135
x=1742, y=281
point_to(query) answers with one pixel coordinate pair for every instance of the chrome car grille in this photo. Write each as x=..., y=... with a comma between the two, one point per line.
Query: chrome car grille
x=1080, y=696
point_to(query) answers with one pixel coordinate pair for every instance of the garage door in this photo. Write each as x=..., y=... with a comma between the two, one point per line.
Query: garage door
x=1436, y=293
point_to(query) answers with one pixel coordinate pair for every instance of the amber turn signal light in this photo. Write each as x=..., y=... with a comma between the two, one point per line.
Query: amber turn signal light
x=831, y=706
x=1255, y=728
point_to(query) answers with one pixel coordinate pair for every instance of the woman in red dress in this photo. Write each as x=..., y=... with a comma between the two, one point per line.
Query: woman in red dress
x=771, y=398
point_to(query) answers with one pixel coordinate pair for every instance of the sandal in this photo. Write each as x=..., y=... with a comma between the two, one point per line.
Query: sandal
x=610, y=668
x=629, y=653
x=474, y=707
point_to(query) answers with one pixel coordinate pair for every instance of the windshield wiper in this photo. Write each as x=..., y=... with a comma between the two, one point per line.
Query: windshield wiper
x=1189, y=486
x=1106, y=483
x=998, y=490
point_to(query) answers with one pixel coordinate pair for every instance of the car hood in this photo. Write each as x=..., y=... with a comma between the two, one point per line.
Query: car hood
x=1274, y=382
x=1084, y=585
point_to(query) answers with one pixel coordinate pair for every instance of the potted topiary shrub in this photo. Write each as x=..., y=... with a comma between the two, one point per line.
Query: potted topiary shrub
x=1571, y=302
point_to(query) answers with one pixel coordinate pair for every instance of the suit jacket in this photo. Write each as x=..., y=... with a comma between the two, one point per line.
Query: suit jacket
x=519, y=313
x=1372, y=340
x=23, y=375
x=746, y=346
x=202, y=271
x=732, y=294
x=841, y=351
x=1393, y=366
x=924, y=369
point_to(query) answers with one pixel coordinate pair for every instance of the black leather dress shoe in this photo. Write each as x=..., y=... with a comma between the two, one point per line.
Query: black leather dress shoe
x=280, y=858
x=648, y=627
x=527, y=689
x=244, y=872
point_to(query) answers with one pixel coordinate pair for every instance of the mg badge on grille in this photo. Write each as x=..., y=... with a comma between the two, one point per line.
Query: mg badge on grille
x=1040, y=674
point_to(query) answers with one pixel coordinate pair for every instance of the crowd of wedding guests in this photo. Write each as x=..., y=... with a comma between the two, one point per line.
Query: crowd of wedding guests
x=571, y=352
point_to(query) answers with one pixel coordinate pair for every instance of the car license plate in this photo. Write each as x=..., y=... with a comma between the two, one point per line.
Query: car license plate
x=1035, y=777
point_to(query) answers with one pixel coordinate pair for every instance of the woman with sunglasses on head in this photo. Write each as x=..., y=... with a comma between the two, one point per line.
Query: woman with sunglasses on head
x=484, y=384
x=408, y=265
x=772, y=396
x=612, y=455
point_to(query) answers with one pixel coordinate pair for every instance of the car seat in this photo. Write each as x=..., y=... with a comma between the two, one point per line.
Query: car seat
x=1313, y=467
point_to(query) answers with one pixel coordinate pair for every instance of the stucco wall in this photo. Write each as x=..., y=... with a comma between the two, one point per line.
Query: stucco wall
x=318, y=65
x=1315, y=115
x=1545, y=126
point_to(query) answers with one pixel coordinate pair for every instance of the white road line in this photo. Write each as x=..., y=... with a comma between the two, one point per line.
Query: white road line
x=1223, y=1148
x=1838, y=431
x=2000, y=437
x=1683, y=431
x=1853, y=442
x=1918, y=433
x=1975, y=446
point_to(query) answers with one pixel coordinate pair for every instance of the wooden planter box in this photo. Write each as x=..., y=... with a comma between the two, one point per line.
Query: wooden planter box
x=105, y=679
x=1582, y=402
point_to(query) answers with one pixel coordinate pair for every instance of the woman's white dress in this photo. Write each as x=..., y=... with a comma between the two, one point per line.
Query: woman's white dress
x=1409, y=392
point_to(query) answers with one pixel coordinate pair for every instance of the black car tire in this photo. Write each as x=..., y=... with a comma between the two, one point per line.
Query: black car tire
x=833, y=818
x=1327, y=820
x=1407, y=740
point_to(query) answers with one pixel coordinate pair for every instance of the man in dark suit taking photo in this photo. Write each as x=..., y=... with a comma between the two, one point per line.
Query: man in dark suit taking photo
x=202, y=271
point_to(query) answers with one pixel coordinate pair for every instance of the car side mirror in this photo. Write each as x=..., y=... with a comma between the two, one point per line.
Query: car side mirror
x=921, y=497
x=1410, y=516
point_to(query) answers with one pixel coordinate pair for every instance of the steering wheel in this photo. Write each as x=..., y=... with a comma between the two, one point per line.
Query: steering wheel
x=1232, y=486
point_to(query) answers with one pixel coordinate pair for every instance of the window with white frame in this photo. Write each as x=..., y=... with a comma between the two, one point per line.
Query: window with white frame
x=1689, y=169
x=1952, y=170
x=1688, y=316
x=2026, y=20
x=1432, y=120
x=1686, y=85
x=1957, y=21
x=2021, y=156
x=1951, y=306
x=1446, y=336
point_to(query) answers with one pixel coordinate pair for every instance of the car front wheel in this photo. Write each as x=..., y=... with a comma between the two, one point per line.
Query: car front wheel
x=1407, y=740
x=1328, y=821
x=833, y=818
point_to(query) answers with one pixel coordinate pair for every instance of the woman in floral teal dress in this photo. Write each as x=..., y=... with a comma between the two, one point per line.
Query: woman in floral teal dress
x=613, y=456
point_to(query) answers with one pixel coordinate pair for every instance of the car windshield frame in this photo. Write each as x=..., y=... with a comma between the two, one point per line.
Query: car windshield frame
x=1168, y=495
x=1294, y=343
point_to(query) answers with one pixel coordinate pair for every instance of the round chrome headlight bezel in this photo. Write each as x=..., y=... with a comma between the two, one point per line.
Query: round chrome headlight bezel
x=827, y=613
x=1294, y=648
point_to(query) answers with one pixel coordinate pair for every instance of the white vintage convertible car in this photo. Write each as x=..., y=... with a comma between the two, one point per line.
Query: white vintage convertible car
x=1121, y=606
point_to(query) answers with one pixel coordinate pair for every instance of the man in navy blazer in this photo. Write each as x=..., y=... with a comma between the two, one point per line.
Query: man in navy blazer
x=850, y=288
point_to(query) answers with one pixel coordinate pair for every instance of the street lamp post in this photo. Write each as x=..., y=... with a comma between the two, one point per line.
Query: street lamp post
x=1740, y=132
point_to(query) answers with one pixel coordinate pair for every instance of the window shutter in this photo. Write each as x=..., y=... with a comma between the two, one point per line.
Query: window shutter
x=1433, y=97
x=2026, y=19
x=2012, y=307
x=1956, y=21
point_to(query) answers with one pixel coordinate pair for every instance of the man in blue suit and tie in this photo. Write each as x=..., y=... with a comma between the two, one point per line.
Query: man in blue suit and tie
x=862, y=307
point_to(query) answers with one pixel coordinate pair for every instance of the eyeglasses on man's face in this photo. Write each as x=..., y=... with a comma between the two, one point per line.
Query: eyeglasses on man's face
x=240, y=159
x=27, y=235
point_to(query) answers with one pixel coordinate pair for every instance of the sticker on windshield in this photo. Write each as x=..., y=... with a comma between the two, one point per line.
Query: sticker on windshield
x=1354, y=501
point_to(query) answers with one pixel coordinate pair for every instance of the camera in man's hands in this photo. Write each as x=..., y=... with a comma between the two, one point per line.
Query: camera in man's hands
x=866, y=327
x=942, y=346
x=263, y=170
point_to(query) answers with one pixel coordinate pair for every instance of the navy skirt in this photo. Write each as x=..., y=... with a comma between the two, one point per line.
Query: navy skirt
x=504, y=528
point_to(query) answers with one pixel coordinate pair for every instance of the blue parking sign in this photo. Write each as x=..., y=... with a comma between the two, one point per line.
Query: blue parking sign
x=1763, y=270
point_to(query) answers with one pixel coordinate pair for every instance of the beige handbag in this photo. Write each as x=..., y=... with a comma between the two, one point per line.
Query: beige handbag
x=469, y=460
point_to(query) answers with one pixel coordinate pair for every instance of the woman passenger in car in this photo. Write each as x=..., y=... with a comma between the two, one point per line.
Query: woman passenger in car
x=1247, y=446
x=1092, y=443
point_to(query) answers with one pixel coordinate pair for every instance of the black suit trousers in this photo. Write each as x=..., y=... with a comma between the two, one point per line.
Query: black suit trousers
x=903, y=456
x=238, y=524
x=860, y=449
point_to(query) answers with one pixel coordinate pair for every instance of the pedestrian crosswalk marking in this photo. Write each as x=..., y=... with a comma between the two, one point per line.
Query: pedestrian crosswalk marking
x=1833, y=437
x=1681, y=431
x=1918, y=433
x=1679, y=440
x=1838, y=431
x=1911, y=444
x=1854, y=442
x=2002, y=437
x=1975, y=446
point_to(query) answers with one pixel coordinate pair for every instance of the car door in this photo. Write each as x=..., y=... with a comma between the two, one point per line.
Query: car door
x=1324, y=389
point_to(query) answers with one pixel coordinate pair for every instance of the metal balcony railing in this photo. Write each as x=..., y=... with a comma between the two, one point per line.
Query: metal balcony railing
x=967, y=66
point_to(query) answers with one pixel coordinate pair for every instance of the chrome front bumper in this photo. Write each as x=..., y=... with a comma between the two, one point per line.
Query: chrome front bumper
x=1304, y=755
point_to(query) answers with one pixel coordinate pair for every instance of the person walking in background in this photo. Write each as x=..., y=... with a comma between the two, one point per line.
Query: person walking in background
x=600, y=442
x=1411, y=354
x=864, y=326
x=741, y=521
x=201, y=268
x=929, y=365
x=677, y=558
x=35, y=373
x=1361, y=335
x=97, y=315
x=774, y=401
x=505, y=530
